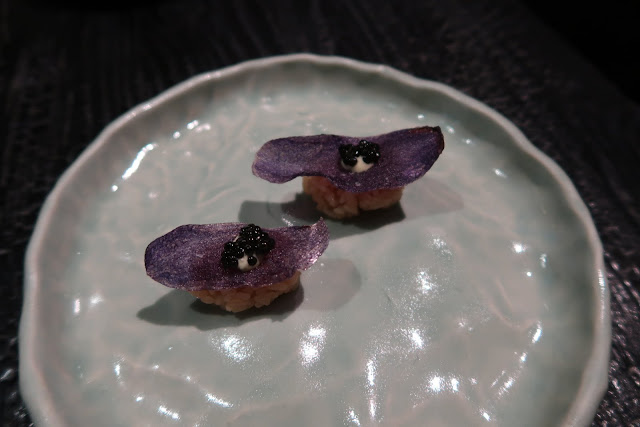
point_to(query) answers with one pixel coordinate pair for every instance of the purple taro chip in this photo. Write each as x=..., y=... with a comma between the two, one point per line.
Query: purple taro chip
x=189, y=257
x=405, y=156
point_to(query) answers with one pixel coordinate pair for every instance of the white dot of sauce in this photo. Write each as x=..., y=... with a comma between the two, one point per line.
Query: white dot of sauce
x=360, y=165
x=243, y=263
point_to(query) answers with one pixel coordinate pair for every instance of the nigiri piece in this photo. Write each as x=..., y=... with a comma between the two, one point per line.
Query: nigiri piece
x=346, y=175
x=236, y=266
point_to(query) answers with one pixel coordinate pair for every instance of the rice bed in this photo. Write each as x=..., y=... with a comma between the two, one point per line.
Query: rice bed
x=245, y=297
x=340, y=204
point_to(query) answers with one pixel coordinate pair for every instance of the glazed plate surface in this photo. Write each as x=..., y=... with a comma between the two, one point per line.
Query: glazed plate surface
x=478, y=300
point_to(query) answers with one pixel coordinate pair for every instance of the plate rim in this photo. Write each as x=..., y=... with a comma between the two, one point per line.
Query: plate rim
x=594, y=379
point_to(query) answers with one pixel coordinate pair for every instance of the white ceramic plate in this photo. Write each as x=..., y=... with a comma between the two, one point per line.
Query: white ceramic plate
x=479, y=300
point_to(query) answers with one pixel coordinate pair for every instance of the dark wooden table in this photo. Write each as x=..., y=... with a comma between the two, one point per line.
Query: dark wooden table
x=68, y=70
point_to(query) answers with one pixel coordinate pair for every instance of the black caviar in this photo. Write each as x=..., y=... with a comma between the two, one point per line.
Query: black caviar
x=252, y=242
x=369, y=151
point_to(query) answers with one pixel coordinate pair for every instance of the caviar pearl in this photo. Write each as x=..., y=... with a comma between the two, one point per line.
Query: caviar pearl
x=246, y=251
x=359, y=158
